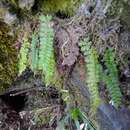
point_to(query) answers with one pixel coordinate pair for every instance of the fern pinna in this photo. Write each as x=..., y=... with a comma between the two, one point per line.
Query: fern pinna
x=111, y=77
x=93, y=72
x=46, y=52
x=23, y=55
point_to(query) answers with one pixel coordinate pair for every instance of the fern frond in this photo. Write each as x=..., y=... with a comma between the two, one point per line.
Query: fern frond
x=111, y=78
x=93, y=72
x=34, y=52
x=46, y=52
x=23, y=55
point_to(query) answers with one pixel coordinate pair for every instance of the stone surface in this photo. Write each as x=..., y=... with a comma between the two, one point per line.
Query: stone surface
x=113, y=119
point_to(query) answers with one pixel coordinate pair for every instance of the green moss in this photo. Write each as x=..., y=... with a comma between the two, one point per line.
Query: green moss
x=8, y=57
x=66, y=6
x=115, y=8
x=125, y=16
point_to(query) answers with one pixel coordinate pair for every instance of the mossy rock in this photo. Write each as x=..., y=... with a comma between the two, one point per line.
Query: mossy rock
x=8, y=57
x=67, y=7
x=125, y=16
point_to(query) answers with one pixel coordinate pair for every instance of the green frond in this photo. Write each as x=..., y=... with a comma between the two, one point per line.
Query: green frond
x=23, y=55
x=93, y=72
x=42, y=52
x=34, y=52
x=111, y=77
x=46, y=52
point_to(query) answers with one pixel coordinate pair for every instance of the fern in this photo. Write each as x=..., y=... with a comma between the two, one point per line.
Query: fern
x=111, y=77
x=23, y=55
x=34, y=52
x=93, y=72
x=42, y=52
x=46, y=52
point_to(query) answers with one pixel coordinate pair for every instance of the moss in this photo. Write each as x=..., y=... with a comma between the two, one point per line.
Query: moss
x=8, y=57
x=115, y=8
x=125, y=16
x=66, y=6
x=42, y=116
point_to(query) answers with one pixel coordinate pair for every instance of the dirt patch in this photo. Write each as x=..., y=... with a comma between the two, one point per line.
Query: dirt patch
x=33, y=107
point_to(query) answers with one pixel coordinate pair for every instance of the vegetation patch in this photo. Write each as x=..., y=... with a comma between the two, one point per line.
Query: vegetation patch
x=8, y=57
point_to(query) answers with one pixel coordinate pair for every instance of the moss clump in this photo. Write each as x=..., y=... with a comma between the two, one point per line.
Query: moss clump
x=115, y=8
x=125, y=16
x=8, y=57
x=65, y=6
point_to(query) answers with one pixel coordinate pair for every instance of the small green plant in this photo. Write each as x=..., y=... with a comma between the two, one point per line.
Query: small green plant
x=79, y=118
x=111, y=77
x=42, y=51
x=93, y=72
x=46, y=52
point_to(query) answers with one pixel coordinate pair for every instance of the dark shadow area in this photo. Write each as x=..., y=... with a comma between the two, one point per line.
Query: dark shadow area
x=62, y=15
x=16, y=103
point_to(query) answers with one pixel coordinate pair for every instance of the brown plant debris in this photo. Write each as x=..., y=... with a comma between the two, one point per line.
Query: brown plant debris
x=67, y=36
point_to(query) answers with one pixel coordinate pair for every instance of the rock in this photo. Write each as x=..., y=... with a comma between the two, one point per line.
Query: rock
x=113, y=119
x=7, y=17
x=26, y=4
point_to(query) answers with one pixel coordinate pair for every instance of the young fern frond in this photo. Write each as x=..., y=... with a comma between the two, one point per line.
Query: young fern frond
x=111, y=77
x=46, y=51
x=23, y=55
x=93, y=72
